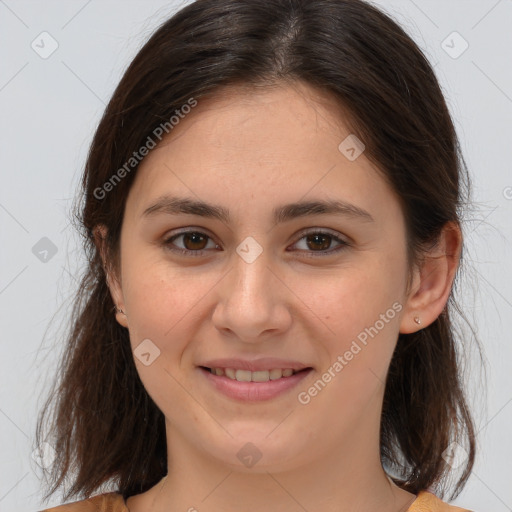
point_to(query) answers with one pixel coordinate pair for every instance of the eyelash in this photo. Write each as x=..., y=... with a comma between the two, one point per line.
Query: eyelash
x=187, y=252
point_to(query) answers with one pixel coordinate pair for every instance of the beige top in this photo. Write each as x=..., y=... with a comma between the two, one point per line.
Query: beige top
x=114, y=502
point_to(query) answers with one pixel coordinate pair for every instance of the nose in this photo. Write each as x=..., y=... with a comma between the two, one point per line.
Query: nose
x=253, y=301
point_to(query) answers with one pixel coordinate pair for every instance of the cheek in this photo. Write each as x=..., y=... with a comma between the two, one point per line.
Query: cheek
x=362, y=311
x=161, y=301
x=358, y=311
x=162, y=307
x=352, y=298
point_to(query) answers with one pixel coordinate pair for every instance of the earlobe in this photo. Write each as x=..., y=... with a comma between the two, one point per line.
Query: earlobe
x=121, y=316
x=116, y=292
x=433, y=281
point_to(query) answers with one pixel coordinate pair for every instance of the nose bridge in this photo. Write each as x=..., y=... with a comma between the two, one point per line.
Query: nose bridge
x=250, y=299
x=251, y=278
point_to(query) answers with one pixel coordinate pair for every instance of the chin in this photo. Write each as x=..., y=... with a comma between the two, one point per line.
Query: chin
x=256, y=452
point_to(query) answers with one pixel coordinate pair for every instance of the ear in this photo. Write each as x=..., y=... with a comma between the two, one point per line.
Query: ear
x=116, y=291
x=433, y=280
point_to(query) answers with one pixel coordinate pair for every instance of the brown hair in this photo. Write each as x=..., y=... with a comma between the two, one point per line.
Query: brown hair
x=105, y=425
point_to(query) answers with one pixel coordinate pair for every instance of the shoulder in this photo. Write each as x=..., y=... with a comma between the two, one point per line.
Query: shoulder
x=107, y=502
x=114, y=502
x=428, y=502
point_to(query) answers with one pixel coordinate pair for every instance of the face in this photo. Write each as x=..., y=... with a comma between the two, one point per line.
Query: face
x=321, y=291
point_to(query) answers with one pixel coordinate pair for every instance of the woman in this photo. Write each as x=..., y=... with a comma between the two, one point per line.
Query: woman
x=272, y=214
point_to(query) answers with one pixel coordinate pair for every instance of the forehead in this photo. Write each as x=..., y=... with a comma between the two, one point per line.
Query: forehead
x=294, y=122
x=279, y=143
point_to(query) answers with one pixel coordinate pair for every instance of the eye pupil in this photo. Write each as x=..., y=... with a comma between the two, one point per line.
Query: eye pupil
x=193, y=236
x=325, y=245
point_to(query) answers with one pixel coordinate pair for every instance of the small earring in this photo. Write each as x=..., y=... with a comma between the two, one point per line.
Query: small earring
x=417, y=320
x=119, y=310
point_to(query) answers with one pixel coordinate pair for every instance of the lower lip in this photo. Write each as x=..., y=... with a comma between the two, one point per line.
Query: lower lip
x=254, y=391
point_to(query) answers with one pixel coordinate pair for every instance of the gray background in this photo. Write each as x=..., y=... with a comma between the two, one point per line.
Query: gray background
x=50, y=108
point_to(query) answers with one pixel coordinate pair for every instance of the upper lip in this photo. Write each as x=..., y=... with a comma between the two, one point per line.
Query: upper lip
x=266, y=363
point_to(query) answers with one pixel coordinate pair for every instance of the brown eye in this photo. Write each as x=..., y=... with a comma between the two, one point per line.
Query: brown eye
x=194, y=243
x=320, y=241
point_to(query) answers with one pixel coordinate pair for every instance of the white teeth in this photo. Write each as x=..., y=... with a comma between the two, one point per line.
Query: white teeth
x=248, y=376
x=276, y=373
x=229, y=373
x=243, y=375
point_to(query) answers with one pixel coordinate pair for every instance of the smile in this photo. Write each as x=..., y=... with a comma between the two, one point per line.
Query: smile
x=258, y=376
x=245, y=385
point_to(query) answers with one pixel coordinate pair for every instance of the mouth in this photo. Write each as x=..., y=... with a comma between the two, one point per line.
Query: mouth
x=254, y=376
x=253, y=386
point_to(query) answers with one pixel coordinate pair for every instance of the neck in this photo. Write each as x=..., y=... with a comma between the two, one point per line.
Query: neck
x=341, y=480
x=344, y=476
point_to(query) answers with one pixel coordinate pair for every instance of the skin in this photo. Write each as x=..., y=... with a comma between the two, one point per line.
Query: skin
x=250, y=151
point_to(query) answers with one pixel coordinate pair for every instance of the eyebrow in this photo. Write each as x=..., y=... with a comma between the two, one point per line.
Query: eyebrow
x=171, y=205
